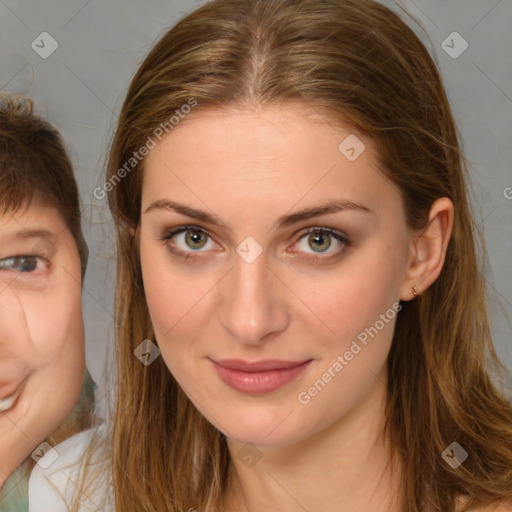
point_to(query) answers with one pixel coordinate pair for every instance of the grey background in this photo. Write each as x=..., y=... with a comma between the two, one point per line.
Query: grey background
x=81, y=86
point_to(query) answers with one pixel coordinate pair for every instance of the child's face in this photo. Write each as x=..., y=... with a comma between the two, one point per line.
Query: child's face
x=251, y=290
x=41, y=330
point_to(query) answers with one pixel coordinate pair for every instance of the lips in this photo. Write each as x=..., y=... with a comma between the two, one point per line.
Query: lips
x=261, y=366
x=260, y=376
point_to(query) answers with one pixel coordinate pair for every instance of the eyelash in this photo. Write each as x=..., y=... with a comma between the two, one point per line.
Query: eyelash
x=318, y=230
x=18, y=259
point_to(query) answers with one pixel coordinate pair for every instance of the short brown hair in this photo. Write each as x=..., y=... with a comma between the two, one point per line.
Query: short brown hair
x=34, y=164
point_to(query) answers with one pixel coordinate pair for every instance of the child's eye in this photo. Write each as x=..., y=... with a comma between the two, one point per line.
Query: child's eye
x=21, y=263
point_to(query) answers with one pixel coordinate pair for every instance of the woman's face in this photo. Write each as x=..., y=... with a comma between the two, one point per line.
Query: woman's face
x=41, y=330
x=316, y=312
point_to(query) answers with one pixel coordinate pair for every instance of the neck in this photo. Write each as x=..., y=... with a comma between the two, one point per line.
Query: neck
x=346, y=467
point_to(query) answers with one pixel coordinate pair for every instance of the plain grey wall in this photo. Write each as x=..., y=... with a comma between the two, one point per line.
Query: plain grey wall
x=81, y=85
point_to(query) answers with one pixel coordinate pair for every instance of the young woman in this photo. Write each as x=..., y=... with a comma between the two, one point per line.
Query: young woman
x=301, y=316
x=46, y=394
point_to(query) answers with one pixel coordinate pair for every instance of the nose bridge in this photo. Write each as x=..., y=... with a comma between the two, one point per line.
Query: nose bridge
x=253, y=304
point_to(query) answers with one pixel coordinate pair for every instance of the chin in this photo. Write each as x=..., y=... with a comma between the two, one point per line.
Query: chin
x=262, y=425
x=262, y=439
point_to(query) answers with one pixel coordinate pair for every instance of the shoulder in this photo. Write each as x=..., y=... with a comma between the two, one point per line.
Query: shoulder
x=55, y=480
x=14, y=495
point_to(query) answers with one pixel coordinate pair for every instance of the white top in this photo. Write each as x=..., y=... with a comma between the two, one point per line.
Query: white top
x=56, y=478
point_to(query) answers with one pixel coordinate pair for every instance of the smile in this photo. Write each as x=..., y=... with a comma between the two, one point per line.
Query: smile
x=8, y=402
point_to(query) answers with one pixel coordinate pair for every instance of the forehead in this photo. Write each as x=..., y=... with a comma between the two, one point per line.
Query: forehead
x=256, y=137
x=270, y=156
x=31, y=219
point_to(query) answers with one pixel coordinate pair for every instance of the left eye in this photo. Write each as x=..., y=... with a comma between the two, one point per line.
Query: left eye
x=21, y=263
x=321, y=239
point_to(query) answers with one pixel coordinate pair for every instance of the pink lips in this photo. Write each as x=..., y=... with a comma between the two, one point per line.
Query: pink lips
x=258, y=377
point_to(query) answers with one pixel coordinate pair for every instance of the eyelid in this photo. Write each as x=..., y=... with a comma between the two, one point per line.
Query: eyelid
x=323, y=257
x=172, y=232
x=322, y=229
x=22, y=256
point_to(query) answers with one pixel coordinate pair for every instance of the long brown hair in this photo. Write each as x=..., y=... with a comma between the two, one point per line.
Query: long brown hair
x=358, y=62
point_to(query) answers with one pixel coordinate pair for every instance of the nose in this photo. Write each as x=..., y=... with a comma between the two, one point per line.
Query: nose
x=254, y=306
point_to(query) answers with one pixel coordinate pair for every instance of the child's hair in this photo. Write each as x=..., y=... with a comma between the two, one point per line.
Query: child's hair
x=34, y=166
x=355, y=62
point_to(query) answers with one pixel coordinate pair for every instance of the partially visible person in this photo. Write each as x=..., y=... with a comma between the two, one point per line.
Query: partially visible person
x=46, y=393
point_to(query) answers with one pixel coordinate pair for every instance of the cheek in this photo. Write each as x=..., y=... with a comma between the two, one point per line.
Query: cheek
x=344, y=303
x=160, y=291
x=174, y=296
x=179, y=303
x=54, y=321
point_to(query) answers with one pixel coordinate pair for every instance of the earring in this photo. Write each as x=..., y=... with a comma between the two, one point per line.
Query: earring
x=415, y=291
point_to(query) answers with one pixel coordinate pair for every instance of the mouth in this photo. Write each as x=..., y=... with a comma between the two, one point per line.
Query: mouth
x=9, y=402
x=258, y=377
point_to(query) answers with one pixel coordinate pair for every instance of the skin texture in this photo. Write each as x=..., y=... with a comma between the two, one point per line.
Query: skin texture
x=327, y=454
x=41, y=329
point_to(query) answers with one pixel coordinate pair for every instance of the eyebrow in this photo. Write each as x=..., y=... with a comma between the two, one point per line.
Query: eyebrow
x=283, y=221
x=37, y=233
x=24, y=234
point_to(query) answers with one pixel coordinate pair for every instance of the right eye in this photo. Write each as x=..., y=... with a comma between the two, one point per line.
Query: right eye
x=22, y=263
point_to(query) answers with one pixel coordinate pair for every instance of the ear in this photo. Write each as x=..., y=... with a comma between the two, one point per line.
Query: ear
x=428, y=249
